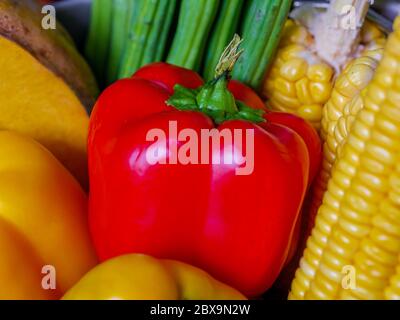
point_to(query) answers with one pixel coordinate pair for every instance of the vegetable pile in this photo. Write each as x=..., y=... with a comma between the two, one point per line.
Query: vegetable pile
x=126, y=192
x=237, y=148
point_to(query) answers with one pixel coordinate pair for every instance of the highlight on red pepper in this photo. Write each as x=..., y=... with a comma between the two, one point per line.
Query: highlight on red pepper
x=238, y=228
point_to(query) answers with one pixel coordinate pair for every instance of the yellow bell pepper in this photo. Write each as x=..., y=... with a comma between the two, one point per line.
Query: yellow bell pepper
x=141, y=277
x=43, y=222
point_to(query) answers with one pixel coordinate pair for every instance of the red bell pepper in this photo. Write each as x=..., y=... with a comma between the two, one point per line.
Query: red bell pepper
x=167, y=76
x=299, y=125
x=236, y=227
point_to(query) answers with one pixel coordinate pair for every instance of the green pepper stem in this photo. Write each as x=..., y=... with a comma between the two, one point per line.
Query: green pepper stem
x=214, y=99
x=229, y=58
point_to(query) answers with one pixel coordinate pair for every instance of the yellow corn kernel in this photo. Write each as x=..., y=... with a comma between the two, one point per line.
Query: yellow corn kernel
x=269, y=85
x=285, y=101
x=338, y=116
x=285, y=87
x=340, y=107
x=310, y=112
x=274, y=74
x=392, y=291
x=362, y=188
x=295, y=33
x=303, y=93
x=276, y=106
x=370, y=32
x=289, y=88
x=296, y=75
x=279, y=62
x=312, y=78
x=294, y=69
x=292, y=51
x=320, y=91
x=320, y=73
x=344, y=123
x=375, y=54
x=376, y=259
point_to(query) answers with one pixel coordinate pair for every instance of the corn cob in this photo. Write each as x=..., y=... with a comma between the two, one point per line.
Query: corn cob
x=340, y=111
x=338, y=116
x=300, y=80
x=392, y=292
x=376, y=259
x=374, y=40
x=356, y=224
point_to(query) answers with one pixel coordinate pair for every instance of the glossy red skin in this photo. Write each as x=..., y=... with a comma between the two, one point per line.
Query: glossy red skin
x=300, y=126
x=167, y=75
x=237, y=228
x=310, y=136
x=307, y=132
x=245, y=94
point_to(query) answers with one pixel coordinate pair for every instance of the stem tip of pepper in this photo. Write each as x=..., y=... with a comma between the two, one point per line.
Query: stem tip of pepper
x=229, y=57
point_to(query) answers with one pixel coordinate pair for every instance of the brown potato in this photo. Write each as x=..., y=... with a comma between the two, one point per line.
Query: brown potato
x=21, y=22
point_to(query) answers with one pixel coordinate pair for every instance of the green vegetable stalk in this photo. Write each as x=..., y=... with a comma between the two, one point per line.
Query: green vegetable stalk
x=261, y=31
x=223, y=31
x=122, y=11
x=98, y=40
x=196, y=18
x=148, y=34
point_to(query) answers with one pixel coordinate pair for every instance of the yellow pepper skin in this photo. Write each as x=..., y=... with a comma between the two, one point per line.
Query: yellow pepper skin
x=43, y=222
x=141, y=277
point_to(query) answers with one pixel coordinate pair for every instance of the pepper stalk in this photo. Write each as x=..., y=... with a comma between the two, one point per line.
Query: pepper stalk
x=214, y=99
